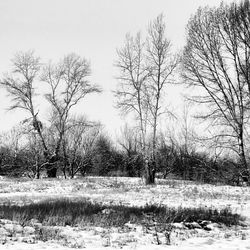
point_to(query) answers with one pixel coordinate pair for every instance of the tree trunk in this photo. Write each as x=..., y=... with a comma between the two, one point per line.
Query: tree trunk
x=51, y=172
x=37, y=174
x=52, y=167
x=64, y=172
x=65, y=162
x=244, y=173
x=37, y=171
x=242, y=155
x=149, y=174
x=243, y=160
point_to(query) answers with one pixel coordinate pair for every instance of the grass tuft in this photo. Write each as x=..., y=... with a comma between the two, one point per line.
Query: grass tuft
x=84, y=213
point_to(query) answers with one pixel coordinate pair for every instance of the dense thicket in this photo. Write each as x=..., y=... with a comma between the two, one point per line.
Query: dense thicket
x=104, y=159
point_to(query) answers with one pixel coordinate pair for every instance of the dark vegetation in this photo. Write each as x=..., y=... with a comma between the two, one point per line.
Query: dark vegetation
x=85, y=213
x=106, y=160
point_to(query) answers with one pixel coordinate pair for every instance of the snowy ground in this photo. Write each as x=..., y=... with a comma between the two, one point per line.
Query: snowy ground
x=132, y=191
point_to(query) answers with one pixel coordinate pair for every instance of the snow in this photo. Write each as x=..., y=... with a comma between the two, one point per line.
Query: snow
x=190, y=244
x=132, y=191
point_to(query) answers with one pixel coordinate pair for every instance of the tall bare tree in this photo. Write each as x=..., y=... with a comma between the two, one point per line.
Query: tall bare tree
x=215, y=60
x=69, y=84
x=20, y=86
x=161, y=64
x=145, y=69
x=132, y=89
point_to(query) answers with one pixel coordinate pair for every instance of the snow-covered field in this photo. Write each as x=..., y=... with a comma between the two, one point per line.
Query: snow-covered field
x=133, y=192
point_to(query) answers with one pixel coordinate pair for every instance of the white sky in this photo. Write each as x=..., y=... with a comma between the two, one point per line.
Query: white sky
x=91, y=28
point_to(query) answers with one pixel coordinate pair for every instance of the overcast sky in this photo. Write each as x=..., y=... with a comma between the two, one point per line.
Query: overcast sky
x=90, y=28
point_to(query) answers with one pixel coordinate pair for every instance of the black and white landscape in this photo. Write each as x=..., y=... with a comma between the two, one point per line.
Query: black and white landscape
x=124, y=124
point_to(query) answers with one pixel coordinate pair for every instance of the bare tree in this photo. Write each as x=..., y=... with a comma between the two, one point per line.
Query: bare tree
x=214, y=60
x=13, y=159
x=35, y=157
x=20, y=86
x=78, y=145
x=129, y=140
x=187, y=137
x=130, y=144
x=161, y=64
x=145, y=69
x=131, y=92
x=69, y=84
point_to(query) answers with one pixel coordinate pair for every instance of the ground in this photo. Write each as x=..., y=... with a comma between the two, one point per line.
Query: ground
x=132, y=192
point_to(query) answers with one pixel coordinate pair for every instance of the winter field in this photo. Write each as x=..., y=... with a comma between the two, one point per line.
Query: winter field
x=121, y=213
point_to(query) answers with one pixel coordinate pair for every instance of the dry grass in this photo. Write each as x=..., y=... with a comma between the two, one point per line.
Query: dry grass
x=84, y=213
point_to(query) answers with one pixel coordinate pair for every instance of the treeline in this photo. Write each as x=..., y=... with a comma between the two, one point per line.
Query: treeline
x=90, y=152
